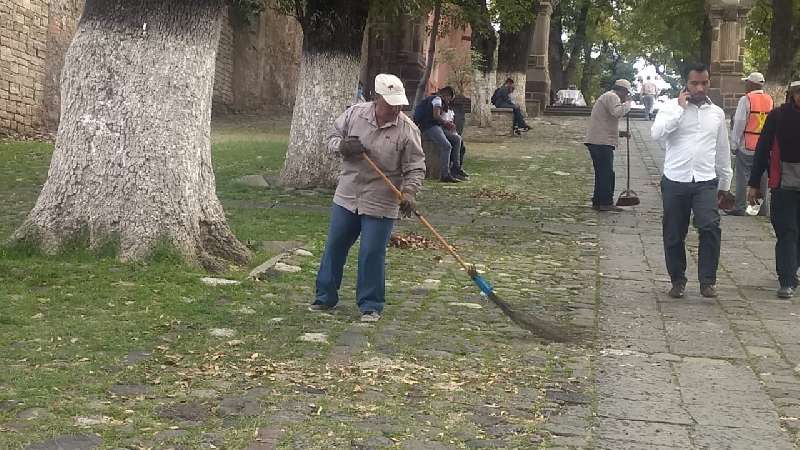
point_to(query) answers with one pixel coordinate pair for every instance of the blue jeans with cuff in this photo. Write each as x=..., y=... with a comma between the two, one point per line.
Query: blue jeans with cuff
x=345, y=228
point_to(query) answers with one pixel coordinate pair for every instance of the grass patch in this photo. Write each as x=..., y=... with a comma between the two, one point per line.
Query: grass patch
x=77, y=326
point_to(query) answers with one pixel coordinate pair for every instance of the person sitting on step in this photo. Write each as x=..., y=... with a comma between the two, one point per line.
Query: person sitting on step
x=502, y=99
x=428, y=115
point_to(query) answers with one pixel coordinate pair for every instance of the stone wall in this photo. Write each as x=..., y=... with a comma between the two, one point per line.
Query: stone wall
x=266, y=62
x=23, y=35
x=223, y=75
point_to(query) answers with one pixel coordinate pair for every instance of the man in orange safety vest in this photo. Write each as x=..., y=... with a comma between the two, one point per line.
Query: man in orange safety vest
x=751, y=113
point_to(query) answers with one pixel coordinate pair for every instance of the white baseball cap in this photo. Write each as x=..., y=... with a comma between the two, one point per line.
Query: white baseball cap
x=755, y=77
x=794, y=84
x=624, y=84
x=391, y=89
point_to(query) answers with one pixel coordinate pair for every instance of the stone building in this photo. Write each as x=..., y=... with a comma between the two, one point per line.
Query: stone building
x=256, y=68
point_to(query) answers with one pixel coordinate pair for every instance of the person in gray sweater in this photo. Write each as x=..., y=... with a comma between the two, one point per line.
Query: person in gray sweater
x=602, y=138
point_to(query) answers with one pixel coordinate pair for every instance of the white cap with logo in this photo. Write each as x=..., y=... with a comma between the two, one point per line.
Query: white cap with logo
x=755, y=77
x=391, y=89
x=623, y=84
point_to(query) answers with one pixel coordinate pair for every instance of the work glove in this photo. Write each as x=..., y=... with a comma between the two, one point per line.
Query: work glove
x=351, y=148
x=408, y=204
x=624, y=134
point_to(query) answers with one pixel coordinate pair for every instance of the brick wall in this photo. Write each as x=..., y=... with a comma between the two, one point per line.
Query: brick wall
x=23, y=36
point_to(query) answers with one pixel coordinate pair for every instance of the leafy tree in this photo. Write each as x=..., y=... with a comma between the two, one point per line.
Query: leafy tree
x=664, y=33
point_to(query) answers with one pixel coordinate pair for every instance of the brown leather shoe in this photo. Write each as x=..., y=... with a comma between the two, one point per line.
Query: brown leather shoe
x=708, y=290
x=678, y=290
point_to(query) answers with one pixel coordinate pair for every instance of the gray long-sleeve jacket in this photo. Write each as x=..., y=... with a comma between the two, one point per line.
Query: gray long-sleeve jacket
x=395, y=147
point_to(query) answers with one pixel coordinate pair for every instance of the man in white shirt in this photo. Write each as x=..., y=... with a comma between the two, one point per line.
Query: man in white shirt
x=697, y=177
x=649, y=93
x=751, y=114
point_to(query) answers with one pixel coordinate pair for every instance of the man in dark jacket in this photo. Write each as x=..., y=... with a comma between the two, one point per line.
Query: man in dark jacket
x=428, y=115
x=502, y=99
x=778, y=151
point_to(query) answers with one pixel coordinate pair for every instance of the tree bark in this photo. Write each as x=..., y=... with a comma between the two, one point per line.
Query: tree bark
x=783, y=42
x=132, y=160
x=426, y=76
x=588, y=68
x=578, y=41
x=556, y=50
x=484, y=43
x=333, y=33
x=512, y=60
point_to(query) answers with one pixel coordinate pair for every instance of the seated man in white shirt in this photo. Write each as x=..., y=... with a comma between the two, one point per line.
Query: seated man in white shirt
x=697, y=177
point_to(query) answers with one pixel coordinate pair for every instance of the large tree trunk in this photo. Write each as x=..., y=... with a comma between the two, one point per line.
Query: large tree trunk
x=512, y=60
x=556, y=50
x=484, y=44
x=333, y=32
x=578, y=41
x=426, y=76
x=132, y=161
x=588, y=69
x=783, y=42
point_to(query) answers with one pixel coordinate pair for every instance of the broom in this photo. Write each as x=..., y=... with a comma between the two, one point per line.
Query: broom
x=541, y=328
x=628, y=197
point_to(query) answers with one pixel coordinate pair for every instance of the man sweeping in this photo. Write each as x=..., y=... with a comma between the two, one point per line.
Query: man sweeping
x=363, y=205
x=602, y=138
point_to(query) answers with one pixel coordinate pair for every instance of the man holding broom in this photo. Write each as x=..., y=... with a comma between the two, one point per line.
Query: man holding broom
x=363, y=204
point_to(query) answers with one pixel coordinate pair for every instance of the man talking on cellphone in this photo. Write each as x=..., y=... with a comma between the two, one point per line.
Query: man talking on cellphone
x=696, y=179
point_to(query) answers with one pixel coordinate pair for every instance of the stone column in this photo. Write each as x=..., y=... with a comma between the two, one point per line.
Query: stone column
x=537, y=86
x=728, y=21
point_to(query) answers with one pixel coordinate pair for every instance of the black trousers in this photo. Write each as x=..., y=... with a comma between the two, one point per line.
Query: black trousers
x=785, y=216
x=604, y=176
x=680, y=201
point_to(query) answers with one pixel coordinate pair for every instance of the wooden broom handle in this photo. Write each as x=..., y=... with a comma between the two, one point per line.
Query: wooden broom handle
x=421, y=218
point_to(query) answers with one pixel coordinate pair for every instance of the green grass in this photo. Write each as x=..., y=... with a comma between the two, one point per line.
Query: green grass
x=68, y=323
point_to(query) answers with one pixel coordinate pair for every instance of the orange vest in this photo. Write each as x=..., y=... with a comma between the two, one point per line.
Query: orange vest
x=760, y=106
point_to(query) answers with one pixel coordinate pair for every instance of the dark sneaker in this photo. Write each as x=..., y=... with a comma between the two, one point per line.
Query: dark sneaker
x=320, y=307
x=370, y=316
x=525, y=128
x=708, y=290
x=460, y=177
x=461, y=171
x=449, y=179
x=609, y=208
x=678, y=290
x=786, y=292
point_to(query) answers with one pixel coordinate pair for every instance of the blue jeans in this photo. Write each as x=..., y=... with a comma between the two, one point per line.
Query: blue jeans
x=604, y=177
x=449, y=148
x=519, y=121
x=344, y=229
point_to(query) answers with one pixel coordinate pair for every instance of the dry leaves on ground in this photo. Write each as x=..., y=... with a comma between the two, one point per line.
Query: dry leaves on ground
x=494, y=194
x=412, y=241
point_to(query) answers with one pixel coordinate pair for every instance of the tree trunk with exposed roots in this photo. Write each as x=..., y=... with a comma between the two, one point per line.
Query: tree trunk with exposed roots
x=132, y=161
x=332, y=36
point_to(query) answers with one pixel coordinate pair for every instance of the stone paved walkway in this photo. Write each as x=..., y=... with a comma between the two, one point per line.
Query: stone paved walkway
x=693, y=372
